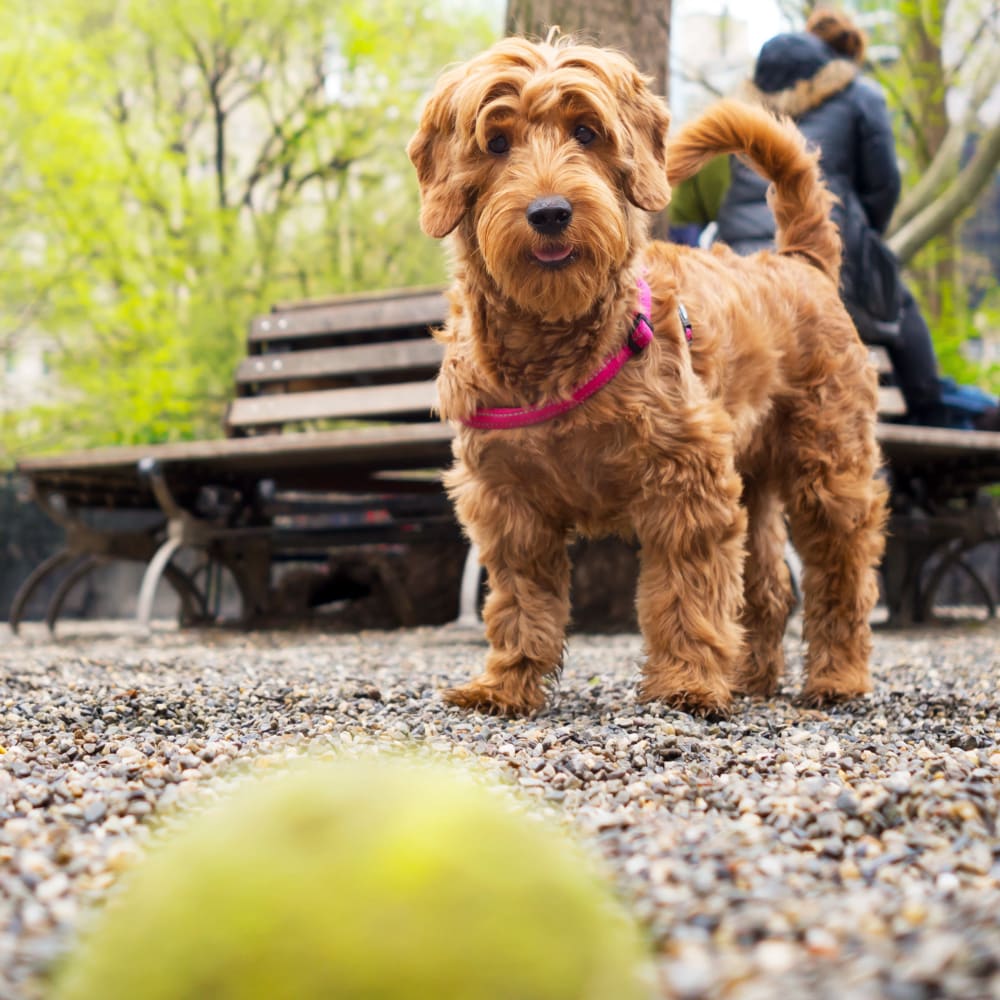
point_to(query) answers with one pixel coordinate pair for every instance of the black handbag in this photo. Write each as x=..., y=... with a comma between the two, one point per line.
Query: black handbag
x=871, y=285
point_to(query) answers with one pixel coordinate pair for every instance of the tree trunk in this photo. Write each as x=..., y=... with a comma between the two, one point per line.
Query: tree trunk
x=639, y=27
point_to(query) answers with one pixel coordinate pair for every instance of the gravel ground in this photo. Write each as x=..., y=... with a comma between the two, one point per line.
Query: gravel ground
x=849, y=853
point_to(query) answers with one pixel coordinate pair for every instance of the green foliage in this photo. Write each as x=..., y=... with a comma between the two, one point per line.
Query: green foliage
x=375, y=880
x=942, y=48
x=169, y=169
x=955, y=320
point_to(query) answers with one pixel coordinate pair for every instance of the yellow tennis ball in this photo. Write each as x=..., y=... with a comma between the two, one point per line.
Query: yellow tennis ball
x=381, y=880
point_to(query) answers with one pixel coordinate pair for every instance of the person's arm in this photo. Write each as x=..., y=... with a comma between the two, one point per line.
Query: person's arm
x=878, y=180
x=697, y=200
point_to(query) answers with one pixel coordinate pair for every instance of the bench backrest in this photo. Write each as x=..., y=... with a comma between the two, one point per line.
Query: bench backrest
x=365, y=358
x=360, y=358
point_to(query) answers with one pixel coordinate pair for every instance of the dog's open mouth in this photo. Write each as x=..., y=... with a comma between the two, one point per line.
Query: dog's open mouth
x=553, y=256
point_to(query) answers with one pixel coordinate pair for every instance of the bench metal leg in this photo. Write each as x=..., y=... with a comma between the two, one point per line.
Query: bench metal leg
x=194, y=604
x=211, y=591
x=82, y=566
x=902, y=565
x=923, y=546
x=85, y=549
x=468, y=601
x=34, y=581
x=151, y=578
x=953, y=557
x=244, y=553
x=794, y=563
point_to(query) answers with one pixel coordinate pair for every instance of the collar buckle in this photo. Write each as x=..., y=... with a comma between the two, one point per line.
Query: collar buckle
x=639, y=334
x=685, y=322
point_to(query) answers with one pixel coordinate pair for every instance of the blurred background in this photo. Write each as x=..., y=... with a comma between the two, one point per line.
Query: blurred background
x=168, y=170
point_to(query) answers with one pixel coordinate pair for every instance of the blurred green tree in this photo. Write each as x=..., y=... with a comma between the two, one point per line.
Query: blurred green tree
x=169, y=169
x=940, y=83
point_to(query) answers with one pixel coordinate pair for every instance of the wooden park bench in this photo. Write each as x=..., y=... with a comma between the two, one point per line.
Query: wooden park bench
x=331, y=443
x=943, y=506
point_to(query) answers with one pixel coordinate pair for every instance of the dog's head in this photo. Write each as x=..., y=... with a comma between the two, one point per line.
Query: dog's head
x=546, y=157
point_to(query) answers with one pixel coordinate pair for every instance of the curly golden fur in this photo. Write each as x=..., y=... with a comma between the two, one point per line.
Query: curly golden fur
x=702, y=451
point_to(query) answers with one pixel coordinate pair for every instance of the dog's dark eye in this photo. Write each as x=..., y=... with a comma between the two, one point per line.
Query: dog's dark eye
x=583, y=135
x=498, y=144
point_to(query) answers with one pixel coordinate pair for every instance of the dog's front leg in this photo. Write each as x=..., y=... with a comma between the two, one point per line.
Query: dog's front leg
x=527, y=610
x=692, y=533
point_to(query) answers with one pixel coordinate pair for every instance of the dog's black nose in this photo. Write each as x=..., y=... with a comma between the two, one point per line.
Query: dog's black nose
x=550, y=215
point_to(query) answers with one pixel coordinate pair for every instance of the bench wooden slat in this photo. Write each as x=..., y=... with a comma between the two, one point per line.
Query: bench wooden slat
x=405, y=398
x=252, y=452
x=377, y=295
x=360, y=360
x=879, y=357
x=352, y=317
x=891, y=402
x=941, y=440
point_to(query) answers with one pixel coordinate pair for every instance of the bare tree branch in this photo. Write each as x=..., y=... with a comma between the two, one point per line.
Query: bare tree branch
x=26, y=315
x=945, y=164
x=700, y=78
x=969, y=49
x=283, y=138
x=941, y=170
x=957, y=198
x=212, y=74
x=916, y=127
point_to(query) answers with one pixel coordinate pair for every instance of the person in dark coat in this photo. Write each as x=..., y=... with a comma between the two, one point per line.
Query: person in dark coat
x=814, y=77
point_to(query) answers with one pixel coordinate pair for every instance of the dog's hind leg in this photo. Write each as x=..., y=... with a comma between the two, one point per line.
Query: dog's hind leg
x=836, y=510
x=767, y=591
x=527, y=609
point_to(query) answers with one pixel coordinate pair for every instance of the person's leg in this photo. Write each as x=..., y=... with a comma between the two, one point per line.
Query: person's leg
x=915, y=365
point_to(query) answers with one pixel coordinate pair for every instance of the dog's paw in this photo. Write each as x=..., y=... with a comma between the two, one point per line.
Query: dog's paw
x=758, y=677
x=762, y=692
x=831, y=692
x=756, y=685
x=712, y=700
x=486, y=694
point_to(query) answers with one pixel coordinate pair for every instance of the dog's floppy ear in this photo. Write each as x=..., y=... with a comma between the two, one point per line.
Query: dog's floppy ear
x=646, y=121
x=432, y=151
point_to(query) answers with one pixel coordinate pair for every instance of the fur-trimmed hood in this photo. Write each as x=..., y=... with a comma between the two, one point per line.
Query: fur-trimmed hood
x=804, y=95
x=841, y=113
x=795, y=73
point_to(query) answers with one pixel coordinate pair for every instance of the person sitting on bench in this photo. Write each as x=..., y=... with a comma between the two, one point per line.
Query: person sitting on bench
x=814, y=77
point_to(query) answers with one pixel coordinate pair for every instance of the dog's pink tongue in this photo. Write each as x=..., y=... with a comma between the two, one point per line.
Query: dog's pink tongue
x=551, y=255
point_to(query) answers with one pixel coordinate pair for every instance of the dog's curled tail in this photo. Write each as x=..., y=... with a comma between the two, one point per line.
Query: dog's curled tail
x=800, y=200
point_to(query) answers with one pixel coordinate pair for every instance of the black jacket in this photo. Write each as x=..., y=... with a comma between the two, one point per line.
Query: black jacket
x=842, y=114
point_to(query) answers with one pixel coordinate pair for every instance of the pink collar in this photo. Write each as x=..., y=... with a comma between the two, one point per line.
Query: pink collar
x=503, y=417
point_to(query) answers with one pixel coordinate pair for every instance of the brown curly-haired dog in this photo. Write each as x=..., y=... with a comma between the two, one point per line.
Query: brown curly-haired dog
x=545, y=160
